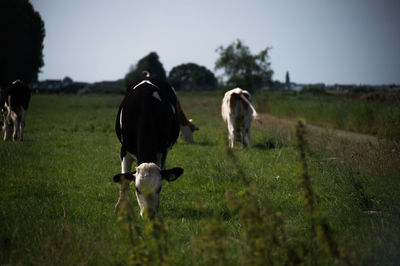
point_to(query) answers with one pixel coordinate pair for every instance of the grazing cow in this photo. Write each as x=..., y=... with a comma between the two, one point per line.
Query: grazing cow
x=147, y=126
x=186, y=126
x=238, y=112
x=14, y=103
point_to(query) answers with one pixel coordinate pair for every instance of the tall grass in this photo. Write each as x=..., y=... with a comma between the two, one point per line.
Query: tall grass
x=264, y=239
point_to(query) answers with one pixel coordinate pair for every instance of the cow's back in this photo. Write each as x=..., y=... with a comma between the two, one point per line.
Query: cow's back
x=147, y=120
x=234, y=106
x=18, y=94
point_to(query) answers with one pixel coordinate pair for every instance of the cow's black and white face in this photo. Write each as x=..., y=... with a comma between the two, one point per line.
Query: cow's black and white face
x=148, y=183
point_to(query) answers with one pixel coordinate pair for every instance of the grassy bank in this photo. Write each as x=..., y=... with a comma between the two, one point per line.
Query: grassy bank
x=239, y=207
x=379, y=118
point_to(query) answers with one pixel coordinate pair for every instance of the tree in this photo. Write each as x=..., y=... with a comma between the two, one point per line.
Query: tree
x=22, y=33
x=193, y=76
x=242, y=69
x=148, y=63
x=67, y=81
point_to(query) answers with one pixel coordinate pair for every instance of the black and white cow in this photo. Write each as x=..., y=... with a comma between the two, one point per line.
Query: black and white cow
x=14, y=102
x=186, y=126
x=147, y=126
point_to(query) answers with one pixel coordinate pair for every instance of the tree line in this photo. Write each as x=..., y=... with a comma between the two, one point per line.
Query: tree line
x=22, y=33
x=240, y=69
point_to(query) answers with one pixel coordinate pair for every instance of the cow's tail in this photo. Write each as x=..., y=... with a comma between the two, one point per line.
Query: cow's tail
x=255, y=114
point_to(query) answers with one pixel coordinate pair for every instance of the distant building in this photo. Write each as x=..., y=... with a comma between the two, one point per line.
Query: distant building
x=344, y=87
x=394, y=87
x=49, y=85
x=77, y=86
x=297, y=87
x=56, y=86
x=107, y=84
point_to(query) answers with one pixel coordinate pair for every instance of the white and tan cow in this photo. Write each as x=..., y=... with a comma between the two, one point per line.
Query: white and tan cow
x=238, y=112
x=14, y=103
x=147, y=125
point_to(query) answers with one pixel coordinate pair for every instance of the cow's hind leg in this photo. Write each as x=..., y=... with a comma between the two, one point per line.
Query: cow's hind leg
x=247, y=137
x=21, y=131
x=16, y=125
x=22, y=126
x=243, y=136
x=231, y=132
x=7, y=128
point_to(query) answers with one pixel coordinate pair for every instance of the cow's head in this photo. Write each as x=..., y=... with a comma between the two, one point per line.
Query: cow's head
x=148, y=182
x=187, y=131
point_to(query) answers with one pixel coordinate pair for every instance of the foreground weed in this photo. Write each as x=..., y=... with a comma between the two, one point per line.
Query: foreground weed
x=265, y=240
x=210, y=248
x=148, y=247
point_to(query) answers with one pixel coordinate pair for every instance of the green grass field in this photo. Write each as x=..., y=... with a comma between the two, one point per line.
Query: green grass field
x=240, y=207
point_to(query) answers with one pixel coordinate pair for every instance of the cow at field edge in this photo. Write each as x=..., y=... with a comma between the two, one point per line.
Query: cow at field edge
x=14, y=102
x=238, y=112
x=147, y=125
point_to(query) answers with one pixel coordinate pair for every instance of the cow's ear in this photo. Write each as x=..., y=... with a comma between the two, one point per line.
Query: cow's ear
x=128, y=176
x=171, y=174
x=192, y=126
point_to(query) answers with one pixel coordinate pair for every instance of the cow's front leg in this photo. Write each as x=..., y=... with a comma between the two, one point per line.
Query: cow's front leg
x=126, y=165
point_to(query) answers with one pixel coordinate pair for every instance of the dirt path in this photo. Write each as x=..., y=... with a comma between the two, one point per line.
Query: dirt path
x=362, y=153
x=345, y=134
x=287, y=123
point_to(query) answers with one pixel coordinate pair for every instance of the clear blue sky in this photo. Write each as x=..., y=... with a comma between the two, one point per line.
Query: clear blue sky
x=330, y=41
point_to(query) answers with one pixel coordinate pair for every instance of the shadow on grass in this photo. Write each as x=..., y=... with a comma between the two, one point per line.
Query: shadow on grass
x=189, y=213
x=204, y=143
x=269, y=145
x=271, y=142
